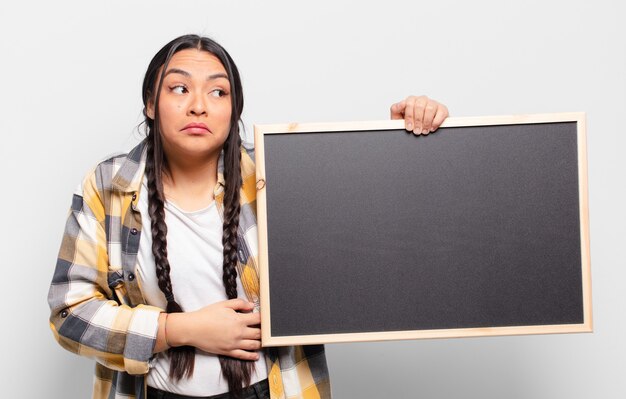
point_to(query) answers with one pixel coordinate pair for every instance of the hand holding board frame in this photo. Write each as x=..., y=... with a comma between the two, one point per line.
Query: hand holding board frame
x=367, y=232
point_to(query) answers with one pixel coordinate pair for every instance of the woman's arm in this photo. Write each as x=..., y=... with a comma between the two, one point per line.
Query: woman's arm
x=224, y=328
x=85, y=318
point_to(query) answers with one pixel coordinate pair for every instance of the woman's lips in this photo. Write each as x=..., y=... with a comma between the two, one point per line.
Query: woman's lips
x=196, y=128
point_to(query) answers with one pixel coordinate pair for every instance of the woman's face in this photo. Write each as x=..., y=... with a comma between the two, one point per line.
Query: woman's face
x=194, y=106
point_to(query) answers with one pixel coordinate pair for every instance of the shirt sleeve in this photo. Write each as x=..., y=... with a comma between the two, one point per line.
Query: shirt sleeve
x=87, y=316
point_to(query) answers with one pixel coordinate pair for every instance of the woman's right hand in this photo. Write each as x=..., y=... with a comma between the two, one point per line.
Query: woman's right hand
x=224, y=328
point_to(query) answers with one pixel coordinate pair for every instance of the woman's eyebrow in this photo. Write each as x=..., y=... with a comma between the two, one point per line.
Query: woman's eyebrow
x=188, y=75
x=179, y=71
x=217, y=76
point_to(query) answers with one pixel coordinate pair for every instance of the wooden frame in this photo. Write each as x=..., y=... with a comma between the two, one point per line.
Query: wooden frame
x=269, y=340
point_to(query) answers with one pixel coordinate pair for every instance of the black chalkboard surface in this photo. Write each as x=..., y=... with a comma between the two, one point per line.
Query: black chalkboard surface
x=368, y=232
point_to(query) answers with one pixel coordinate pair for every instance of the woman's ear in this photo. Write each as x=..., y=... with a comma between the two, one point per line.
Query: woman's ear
x=150, y=109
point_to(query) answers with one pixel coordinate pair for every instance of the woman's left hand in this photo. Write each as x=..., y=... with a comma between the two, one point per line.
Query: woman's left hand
x=422, y=115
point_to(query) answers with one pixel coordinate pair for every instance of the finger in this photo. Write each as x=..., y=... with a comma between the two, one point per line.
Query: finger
x=397, y=110
x=239, y=304
x=420, y=106
x=252, y=333
x=251, y=319
x=440, y=116
x=250, y=345
x=409, y=113
x=429, y=114
x=243, y=355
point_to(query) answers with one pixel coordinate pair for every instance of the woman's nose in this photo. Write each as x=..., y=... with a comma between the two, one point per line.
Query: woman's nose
x=198, y=105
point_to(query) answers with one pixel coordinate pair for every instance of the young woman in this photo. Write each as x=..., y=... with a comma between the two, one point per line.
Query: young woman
x=151, y=280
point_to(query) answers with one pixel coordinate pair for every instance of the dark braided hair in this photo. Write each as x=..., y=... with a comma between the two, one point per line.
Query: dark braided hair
x=236, y=372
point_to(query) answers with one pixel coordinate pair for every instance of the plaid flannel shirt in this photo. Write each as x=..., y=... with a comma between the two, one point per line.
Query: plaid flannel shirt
x=98, y=309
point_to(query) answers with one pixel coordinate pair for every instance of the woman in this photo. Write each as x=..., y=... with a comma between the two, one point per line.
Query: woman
x=148, y=279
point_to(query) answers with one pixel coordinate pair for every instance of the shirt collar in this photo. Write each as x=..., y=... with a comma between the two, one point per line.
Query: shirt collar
x=221, y=183
x=128, y=177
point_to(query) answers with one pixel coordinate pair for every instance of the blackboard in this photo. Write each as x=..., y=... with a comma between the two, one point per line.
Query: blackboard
x=368, y=232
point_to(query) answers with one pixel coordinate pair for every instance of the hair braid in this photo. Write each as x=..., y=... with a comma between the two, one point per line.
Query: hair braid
x=182, y=357
x=236, y=372
x=230, y=243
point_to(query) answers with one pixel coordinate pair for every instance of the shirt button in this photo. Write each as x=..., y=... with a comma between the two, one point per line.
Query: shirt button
x=133, y=231
x=134, y=196
x=64, y=313
x=131, y=276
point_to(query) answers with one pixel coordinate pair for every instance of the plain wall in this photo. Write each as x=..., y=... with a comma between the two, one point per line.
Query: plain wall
x=71, y=75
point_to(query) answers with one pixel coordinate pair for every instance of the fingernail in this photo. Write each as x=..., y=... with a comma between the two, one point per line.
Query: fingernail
x=432, y=129
x=425, y=131
x=416, y=131
x=409, y=126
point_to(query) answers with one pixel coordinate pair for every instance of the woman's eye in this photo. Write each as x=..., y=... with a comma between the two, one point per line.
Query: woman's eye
x=180, y=89
x=218, y=93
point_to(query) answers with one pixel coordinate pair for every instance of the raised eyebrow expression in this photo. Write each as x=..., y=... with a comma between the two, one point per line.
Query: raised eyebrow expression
x=188, y=75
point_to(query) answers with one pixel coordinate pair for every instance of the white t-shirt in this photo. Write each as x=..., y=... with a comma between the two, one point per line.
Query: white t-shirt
x=194, y=246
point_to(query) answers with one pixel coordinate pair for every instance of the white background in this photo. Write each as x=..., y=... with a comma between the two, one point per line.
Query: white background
x=70, y=79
